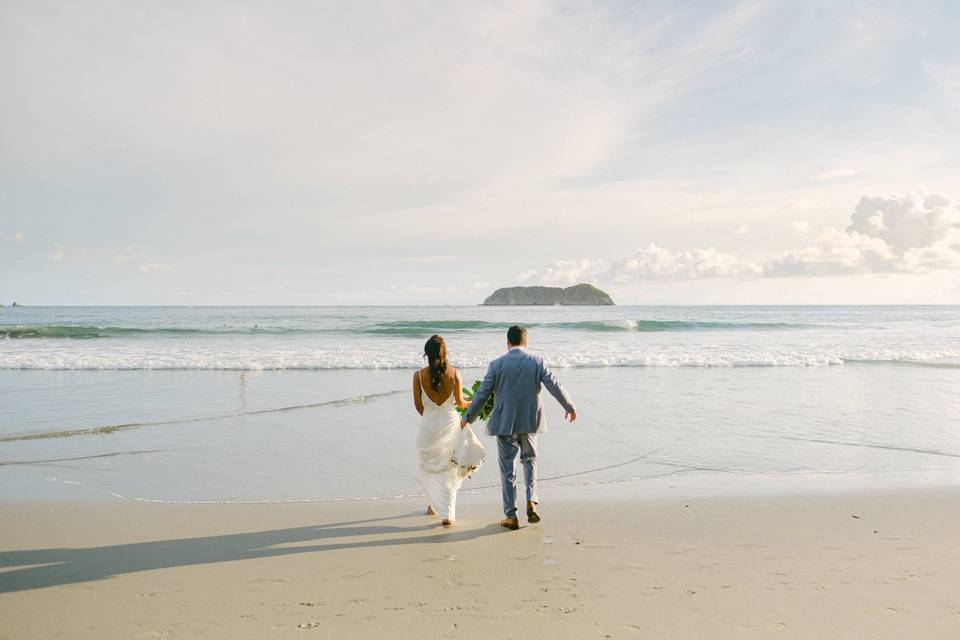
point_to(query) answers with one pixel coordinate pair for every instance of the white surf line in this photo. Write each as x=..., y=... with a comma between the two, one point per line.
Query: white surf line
x=868, y=445
x=113, y=494
x=107, y=429
x=656, y=476
x=99, y=455
x=368, y=498
x=581, y=472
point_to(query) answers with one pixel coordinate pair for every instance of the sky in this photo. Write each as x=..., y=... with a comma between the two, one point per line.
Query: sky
x=424, y=153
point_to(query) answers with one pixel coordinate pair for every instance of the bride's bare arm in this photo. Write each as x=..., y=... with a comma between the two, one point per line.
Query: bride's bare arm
x=458, y=390
x=417, y=398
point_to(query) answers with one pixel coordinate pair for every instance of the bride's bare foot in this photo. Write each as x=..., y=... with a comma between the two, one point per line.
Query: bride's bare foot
x=430, y=510
x=447, y=523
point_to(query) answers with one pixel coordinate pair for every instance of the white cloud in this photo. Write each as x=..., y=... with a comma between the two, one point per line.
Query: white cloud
x=124, y=255
x=57, y=255
x=564, y=272
x=526, y=276
x=835, y=253
x=652, y=263
x=659, y=264
x=908, y=222
x=157, y=266
x=915, y=233
x=911, y=234
x=926, y=259
x=742, y=230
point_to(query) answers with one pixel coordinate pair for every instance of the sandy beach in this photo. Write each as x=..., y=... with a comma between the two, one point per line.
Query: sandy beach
x=857, y=565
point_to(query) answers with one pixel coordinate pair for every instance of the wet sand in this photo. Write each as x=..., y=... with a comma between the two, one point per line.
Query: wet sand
x=857, y=565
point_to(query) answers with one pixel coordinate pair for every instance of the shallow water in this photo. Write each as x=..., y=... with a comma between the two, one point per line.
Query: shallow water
x=323, y=435
x=224, y=433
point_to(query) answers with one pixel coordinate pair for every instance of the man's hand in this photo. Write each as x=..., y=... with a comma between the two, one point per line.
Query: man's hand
x=571, y=416
x=463, y=423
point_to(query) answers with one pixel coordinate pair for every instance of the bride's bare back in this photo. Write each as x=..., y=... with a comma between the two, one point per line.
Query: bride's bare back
x=450, y=383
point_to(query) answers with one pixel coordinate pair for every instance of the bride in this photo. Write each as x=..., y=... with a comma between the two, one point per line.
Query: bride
x=437, y=392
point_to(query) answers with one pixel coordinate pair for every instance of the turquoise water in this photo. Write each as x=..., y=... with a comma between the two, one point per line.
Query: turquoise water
x=271, y=404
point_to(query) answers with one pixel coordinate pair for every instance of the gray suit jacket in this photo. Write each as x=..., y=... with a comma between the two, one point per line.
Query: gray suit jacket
x=515, y=378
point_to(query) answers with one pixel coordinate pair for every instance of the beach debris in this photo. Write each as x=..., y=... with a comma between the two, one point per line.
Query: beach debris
x=551, y=562
x=308, y=625
x=854, y=516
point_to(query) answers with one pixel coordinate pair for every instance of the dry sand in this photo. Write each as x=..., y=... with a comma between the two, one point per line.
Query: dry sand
x=853, y=565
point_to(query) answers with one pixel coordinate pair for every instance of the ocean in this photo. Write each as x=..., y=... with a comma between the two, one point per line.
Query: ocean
x=275, y=404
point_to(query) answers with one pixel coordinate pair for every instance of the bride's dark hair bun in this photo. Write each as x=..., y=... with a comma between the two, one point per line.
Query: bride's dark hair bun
x=436, y=352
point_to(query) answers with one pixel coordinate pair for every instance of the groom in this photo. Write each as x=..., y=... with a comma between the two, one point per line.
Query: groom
x=515, y=378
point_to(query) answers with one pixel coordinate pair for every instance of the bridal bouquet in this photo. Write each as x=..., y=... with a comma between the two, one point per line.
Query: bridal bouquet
x=487, y=406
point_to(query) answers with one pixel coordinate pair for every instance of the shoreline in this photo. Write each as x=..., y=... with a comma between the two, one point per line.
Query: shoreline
x=877, y=563
x=483, y=494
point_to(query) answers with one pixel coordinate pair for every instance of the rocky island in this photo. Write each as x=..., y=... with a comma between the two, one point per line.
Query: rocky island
x=577, y=295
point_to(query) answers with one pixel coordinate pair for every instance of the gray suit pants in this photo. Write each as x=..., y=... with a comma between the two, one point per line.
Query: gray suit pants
x=508, y=447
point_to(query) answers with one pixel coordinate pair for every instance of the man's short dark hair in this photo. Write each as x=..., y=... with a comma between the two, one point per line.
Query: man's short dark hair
x=517, y=335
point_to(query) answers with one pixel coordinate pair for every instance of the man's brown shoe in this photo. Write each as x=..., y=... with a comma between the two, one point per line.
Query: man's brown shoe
x=532, y=516
x=510, y=523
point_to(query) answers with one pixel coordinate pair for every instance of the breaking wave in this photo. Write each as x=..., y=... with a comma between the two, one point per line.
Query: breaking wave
x=388, y=328
x=300, y=357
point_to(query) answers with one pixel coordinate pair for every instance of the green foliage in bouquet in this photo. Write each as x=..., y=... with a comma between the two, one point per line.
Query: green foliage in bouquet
x=468, y=396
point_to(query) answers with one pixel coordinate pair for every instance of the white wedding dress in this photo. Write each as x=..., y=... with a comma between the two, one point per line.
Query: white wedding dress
x=437, y=441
